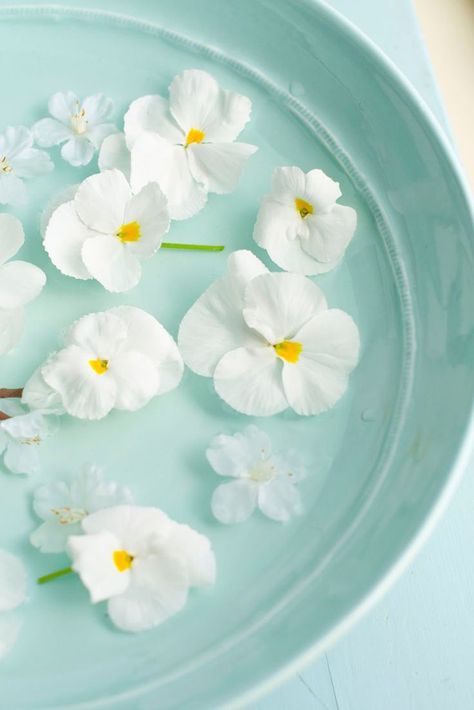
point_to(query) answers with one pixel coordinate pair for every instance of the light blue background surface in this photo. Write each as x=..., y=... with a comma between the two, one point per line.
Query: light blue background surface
x=415, y=650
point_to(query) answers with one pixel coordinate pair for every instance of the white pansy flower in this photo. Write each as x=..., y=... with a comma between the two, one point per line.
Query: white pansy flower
x=19, y=161
x=262, y=479
x=269, y=340
x=188, y=144
x=120, y=359
x=79, y=126
x=13, y=583
x=20, y=283
x=142, y=562
x=21, y=435
x=105, y=231
x=62, y=506
x=114, y=153
x=301, y=225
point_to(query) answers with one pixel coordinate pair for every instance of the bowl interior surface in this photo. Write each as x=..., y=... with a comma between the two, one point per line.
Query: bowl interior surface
x=377, y=462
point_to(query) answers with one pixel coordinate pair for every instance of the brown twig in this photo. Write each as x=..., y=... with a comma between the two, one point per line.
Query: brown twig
x=5, y=392
x=4, y=416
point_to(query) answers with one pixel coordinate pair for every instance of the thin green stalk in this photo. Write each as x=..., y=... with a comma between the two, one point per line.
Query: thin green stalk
x=55, y=575
x=195, y=247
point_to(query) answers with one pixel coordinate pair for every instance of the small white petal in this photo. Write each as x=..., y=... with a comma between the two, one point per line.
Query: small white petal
x=140, y=530
x=49, y=497
x=84, y=394
x=330, y=351
x=153, y=159
x=78, y=151
x=51, y=537
x=149, y=208
x=26, y=425
x=31, y=163
x=249, y=380
x=20, y=283
x=236, y=455
x=98, y=109
x=101, y=199
x=279, y=499
x=150, y=114
x=115, y=154
x=111, y=263
x=234, y=502
x=12, y=190
x=63, y=105
x=288, y=183
x=49, y=132
x=93, y=560
x=60, y=198
x=137, y=380
x=277, y=305
x=13, y=579
x=63, y=240
x=12, y=236
x=330, y=233
x=15, y=140
x=103, y=334
x=218, y=166
x=321, y=191
x=195, y=550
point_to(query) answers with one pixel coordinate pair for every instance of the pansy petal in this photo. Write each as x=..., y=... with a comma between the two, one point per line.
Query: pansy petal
x=84, y=393
x=249, y=380
x=279, y=499
x=137, y=380
x=51, y=537
x=93, y=560
x=150, y=210
x=218, y=166
x=111, y=263
x=37, y=394
x=98, y=109
x=321, y=191
x=12, y=236
x=102, y=334
x=138, y=528
x=195, y=550
x=151, y=114
x=13, y=581
x=146, y=335
x=214, y=324
x=159, y=589
x=31, y=163
x=63, y=105
x=12, y=323
x=330, y=351
x=12, y=190
x=330, y=233
x=63, y=241
x=60, y=198
x=288, y=183
x=234, y=502
x=101, y=199
x=49, y=132
x=20, y=283
x=115, y=154
x=277, y=305
x=237, y=454
x=77, y=151
x=153, y=159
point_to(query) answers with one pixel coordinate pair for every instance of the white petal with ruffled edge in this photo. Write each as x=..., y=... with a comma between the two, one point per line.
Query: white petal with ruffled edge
x=218, y=166
x=93, y=560
x=138, y=529
x=330, y=233
x=103, y=334
x=234, y=502
x=64, y=239
x=151, y=114
x=137, y=380
x=330, y=351
x=101, y=199
x=110, y=262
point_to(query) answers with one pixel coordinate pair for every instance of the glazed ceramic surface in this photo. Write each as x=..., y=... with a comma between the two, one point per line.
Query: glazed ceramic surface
x=381, y=462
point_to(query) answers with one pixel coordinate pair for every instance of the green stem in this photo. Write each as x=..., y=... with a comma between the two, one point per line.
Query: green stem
x=55, y=575
x=195, y=247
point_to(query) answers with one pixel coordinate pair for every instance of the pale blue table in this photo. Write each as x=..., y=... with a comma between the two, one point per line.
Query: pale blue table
x=415, y=650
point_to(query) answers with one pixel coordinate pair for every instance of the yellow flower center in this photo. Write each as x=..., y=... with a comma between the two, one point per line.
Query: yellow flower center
x=31, y=440
x=289, y=350
x=5, y=166
x=122, y=560
x=129, y=232
x=69, y=516
x=79, y=121
x=194, y=136
x=99, y=366
x=303, y=207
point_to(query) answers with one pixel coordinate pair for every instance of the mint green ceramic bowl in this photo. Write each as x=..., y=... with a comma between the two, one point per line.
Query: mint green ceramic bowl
x=384, y=461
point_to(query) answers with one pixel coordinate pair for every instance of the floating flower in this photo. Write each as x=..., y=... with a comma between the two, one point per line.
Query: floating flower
x=187, y=144
x=79, y=126
x=269, y=340
x=19, y=160
x=13, y=582
x=301, y=225
x=105, y=231
x=20, y=283
x=21, y=435
x=263, y=479
x=120, y=359
x=142, y=562
x=63, y=506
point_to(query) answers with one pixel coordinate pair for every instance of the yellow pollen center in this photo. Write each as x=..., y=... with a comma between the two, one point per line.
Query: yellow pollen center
x=5, y=167
x=194, y=136
x=303, y=207
x=122, y=560
x=289, y=350
x=129, y=232
x=99, y=366
x=79, y=121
